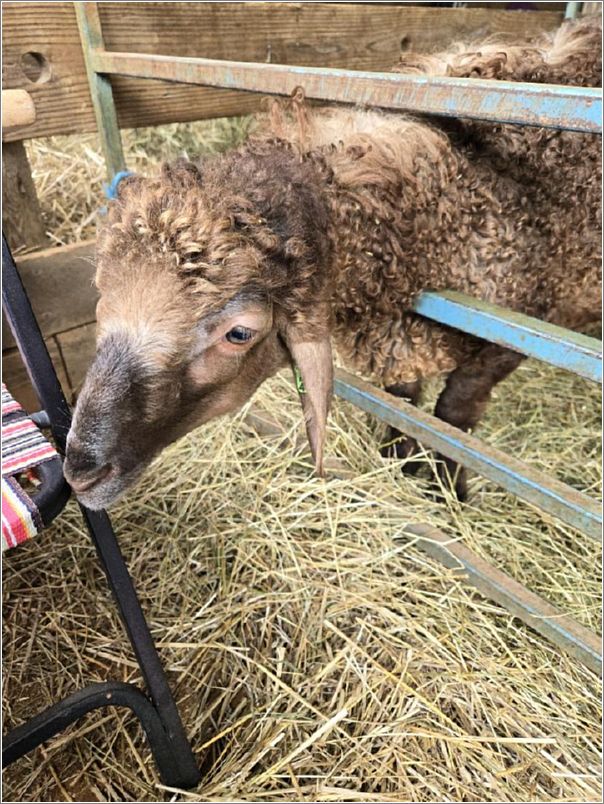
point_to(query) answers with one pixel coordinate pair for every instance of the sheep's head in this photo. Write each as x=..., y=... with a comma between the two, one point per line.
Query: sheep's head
x=207, y=287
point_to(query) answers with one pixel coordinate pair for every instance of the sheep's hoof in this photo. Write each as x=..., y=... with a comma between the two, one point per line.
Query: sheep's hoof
x=452, y=476
x=403, y=448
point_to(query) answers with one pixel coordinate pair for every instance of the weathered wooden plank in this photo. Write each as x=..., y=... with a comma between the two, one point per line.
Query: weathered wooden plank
x=360, y=37
x=21, y=216
x=77, y=348
x=59, y=283
x=557, y=5
x=17, y=381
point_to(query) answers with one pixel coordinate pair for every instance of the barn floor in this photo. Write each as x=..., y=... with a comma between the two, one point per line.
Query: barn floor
x=315, y=653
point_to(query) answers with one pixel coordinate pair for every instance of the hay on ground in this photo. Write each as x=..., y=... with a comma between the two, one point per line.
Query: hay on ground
x=316, y=655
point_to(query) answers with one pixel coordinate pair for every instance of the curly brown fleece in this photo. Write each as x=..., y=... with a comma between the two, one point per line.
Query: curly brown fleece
x=366, y=210
x=507, y=213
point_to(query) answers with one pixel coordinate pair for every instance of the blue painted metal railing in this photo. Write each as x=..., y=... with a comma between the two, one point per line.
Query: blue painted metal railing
x=549, y=494
x=530, y=336
x=561, y=107
x=545, y=105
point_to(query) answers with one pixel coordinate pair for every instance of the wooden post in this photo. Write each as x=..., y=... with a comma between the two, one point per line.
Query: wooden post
x=17, y=108
x=21, y=216
x=101, y=92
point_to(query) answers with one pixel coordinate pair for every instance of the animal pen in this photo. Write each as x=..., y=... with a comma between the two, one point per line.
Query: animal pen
x=575, y=109
x=569, y=108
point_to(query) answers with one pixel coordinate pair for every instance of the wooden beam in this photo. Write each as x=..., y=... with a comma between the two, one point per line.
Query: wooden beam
x=21, y=215
x=60, y=286
x=353, y=36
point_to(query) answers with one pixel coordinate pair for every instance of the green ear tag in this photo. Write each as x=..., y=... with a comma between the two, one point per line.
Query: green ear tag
x=299, y=381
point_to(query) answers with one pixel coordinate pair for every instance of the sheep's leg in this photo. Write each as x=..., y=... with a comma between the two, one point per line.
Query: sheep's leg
x=465, y=397
x=397, y=444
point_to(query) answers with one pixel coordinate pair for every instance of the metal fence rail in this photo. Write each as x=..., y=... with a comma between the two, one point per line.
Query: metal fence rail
x=558, y=499
x=542, y=617
x=574, y=108
x=561, y=107
x=551, y=344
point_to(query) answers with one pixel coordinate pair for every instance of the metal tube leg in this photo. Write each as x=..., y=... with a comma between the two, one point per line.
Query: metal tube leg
x=184, y=771
x=138, y=632
x=55, y=719
x=34, y=353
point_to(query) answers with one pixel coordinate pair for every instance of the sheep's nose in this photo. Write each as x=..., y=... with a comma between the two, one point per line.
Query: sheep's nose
x=82, y=468
x=90, y=478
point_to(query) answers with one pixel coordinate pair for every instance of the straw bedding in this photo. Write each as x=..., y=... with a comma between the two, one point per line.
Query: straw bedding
x=315, y=653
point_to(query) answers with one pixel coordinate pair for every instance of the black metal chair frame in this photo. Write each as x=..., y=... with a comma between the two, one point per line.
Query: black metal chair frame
x=156, y=712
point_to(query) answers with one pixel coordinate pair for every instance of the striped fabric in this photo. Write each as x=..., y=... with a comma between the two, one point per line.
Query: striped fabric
x=20, y=518
x=23, y=446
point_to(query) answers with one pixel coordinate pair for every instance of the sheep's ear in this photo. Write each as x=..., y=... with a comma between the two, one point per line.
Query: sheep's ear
x=313, y=370
x=182, y=173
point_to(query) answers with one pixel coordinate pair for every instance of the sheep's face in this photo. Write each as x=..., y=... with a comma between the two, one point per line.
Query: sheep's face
x=140, y=394
x=201, y=299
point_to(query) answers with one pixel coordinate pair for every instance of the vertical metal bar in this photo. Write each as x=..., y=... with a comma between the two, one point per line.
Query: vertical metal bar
x=34, y=353
x=101, y=92
x=572, y=10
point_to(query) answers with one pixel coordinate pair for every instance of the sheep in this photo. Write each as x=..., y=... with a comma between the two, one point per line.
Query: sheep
x=324, y=227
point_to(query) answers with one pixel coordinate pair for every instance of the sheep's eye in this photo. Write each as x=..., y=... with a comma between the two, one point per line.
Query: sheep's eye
x=239, y=335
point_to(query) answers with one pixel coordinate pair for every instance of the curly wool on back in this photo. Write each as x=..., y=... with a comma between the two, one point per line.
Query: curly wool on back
x=366, y=210
x=506, y=213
